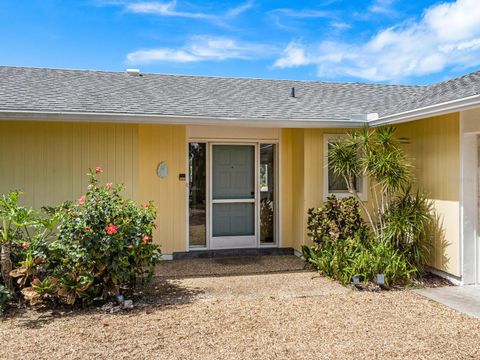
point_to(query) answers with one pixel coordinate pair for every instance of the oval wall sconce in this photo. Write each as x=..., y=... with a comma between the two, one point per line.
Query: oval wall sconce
x=162, y=170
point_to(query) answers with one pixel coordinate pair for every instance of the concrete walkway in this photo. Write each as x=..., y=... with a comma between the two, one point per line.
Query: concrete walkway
x=465, y=299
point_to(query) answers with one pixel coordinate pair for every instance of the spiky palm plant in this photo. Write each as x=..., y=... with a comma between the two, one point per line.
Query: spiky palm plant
x=396, y=215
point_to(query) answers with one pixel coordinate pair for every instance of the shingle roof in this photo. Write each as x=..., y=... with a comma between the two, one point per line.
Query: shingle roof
x=454, y=89
x=85, y=91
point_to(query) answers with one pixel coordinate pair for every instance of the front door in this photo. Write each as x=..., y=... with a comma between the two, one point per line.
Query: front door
x=233, y=196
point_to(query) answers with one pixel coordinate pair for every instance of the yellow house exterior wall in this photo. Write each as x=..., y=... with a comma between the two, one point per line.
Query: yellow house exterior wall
x=435, y=153
x=302, y=180
x=165, y=143
x=48, y=162
x=434, y=149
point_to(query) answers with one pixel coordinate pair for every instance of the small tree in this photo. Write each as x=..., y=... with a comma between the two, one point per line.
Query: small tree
x=396, y=214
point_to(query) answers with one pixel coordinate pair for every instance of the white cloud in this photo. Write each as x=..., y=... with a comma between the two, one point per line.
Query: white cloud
x=293, y=55
x=156, y=55
x=454, y=21
x=306, y=13
x=383, y=7
x=447, y=35
x=164, y=9
x=202, y=48
x=339, y=25
x=239, y=9
x=170, y=9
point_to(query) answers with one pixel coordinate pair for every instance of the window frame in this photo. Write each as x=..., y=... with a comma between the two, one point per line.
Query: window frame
x=362, y=193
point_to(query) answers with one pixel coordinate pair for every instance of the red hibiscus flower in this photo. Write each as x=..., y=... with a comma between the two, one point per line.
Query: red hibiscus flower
x=87, y=228
x=109, y=186
x=98, y=169
x=145, y=239
x=25, y=245
x=111, y=229
x=82, y=199
x=146, y=206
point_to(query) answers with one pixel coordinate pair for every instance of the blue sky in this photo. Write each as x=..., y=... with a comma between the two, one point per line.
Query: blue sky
x=387, y=41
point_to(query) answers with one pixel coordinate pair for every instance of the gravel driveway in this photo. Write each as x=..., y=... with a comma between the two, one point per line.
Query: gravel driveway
x=281, y=315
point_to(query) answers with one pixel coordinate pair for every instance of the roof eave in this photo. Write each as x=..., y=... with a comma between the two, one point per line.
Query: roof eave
x=466, y=103
x=176, y=119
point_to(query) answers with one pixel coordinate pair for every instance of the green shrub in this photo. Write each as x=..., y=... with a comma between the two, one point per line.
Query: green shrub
x=363, y=258
x=336, y=220
x=103, y=246
x=344, y=247
x=21, y=228
x=5, y=297
x=408, y=223
x=399, y=221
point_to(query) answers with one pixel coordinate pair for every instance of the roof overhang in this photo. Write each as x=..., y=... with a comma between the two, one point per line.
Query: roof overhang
x=466, y=103
x=175, y=119
x=356, y=121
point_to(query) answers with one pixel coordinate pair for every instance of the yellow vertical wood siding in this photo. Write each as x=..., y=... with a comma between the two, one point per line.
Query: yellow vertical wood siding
x=434, y=149
x=165, y=143
x=49, y=161
x=302, y=180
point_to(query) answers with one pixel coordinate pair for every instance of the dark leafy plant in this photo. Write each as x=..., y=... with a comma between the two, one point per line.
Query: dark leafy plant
x=344, y=247
x=266, y=219
x=5, y=297
x=15, y=221
x=22, y=229
x=336, y=220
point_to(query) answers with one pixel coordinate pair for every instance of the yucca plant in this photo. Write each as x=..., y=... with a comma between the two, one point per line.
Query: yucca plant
x=407, y=224
x=396, y=216
x=376, y=155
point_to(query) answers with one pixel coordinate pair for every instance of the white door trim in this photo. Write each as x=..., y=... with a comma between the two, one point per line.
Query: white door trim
x=278, y=193
x=233, y=242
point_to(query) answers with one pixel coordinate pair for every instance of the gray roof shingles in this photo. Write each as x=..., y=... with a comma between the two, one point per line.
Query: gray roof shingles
x=85, y=91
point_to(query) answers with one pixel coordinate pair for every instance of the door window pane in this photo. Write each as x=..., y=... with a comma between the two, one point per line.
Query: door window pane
x=197, y=194
x=233, y=172
x=233, y=219
x=267, y=193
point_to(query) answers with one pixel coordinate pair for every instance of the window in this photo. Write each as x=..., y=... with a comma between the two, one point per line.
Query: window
x=334, y=184
x=197, y=155
x=267, y=194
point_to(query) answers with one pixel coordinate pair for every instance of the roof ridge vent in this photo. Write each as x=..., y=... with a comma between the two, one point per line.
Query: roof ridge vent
x=133, y=72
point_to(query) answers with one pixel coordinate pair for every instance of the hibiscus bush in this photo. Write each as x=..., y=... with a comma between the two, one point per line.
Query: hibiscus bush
x=103, y=247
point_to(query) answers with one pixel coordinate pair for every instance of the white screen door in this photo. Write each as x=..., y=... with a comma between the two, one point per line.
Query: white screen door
x=233, y=196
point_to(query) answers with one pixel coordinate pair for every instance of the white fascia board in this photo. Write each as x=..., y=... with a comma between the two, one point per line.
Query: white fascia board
x=174, y=119
x=429, y=111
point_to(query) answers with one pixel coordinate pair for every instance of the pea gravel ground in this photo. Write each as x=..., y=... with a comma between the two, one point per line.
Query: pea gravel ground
x=279, y=315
